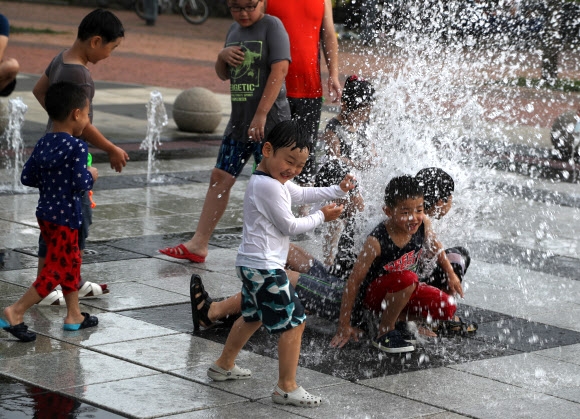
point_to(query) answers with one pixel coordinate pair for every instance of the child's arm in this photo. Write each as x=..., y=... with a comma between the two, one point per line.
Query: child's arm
x=435, y=246
x=278, y=71
x=229, y=56
x=30, y=175
x=309, y=195
x=40, y=88
x=82, y=178
x=117, y=156
x=345, y=331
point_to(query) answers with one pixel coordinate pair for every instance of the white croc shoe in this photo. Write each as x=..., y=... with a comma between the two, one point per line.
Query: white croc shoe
x=298, y=397
x=236, y=373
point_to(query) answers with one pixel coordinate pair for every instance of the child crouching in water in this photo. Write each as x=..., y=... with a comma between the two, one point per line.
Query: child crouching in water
x=384, y=278
x=58, y=168
x=268, y=298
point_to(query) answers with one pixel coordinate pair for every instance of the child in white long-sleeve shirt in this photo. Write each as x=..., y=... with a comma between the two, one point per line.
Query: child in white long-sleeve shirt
x=268, y=298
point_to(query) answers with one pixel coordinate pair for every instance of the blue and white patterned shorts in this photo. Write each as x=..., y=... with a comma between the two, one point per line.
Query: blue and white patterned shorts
x=268, y=296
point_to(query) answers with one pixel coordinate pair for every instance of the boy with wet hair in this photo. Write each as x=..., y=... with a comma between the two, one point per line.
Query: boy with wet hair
x=268, y=297
x=438, y=187
x=99, y=33
x=58, y=163
x=384, y=278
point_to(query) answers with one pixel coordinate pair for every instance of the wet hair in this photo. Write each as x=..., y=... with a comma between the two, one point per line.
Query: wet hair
x=357, y=93
x=437, y=185
x=401, y=188
x=288, y=134
x=101, y=22
x=62, y=98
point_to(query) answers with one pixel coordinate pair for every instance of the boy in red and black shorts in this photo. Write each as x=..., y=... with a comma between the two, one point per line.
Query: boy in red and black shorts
x=58, y=168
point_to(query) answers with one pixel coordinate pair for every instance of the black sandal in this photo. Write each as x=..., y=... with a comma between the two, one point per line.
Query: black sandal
x=198, y=295
x=19, y=331
x=456, y=327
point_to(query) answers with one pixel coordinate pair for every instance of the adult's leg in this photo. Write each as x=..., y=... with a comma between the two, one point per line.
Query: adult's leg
x=214, y=206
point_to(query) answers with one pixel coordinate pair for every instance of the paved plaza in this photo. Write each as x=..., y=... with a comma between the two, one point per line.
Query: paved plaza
x=143, y=360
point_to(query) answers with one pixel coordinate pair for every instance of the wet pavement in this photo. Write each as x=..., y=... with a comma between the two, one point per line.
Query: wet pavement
x=143, y=361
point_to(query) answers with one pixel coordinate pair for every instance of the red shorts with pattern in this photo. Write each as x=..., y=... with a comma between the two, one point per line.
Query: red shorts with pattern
x=62, y=265
x=426, y=300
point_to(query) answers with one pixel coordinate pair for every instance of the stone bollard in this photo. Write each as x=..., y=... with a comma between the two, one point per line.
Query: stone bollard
x=197, y=110
x=562, y=134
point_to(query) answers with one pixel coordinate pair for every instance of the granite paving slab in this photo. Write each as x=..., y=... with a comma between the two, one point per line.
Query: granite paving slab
x=112, y=328
x=241, y=410
x=28, y=401
x=135, y=397
x=537, y=373
x=570, y=353
x=11, y=291
x=355, y=401
x=13, y=348
x=133, y=295
x=14, y=260
x=71, y=368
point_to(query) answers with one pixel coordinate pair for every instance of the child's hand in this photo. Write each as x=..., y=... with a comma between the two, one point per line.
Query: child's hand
x=344, y=335
x=118, y=159
x=348, y=183
x=331, y=211
x=232, y=56
x=94, y=173
x=256, y=132
x=454, y=285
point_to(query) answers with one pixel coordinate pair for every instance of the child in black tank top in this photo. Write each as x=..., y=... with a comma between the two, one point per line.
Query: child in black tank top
x=384, y=277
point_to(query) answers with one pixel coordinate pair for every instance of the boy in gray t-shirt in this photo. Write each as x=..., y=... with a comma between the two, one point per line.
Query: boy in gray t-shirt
x=255, y=59
x=99, y=33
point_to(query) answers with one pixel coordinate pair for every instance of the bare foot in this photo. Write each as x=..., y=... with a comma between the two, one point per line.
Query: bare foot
x=196, y=249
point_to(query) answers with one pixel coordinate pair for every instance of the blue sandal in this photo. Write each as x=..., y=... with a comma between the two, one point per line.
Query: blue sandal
x=89, y=321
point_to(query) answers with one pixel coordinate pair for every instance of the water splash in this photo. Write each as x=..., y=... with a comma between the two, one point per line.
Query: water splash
x=156, y=120
x=14, y=144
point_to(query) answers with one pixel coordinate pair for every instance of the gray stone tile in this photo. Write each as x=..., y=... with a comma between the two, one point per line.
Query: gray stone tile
x=11, y=290
x=14, y=260
x=242, y=411
x=71, y=367
x=132, y=295
x=570, y=353
x=143, y=270
x=105, y=230
x=528, y=405
x=445, y=388
x=112, y=328
x=167, y=353
x=153, y=396
x=537, y=373
x=216, y=284
x=13, y=348
x=132, y=195
x=22, y=277
x=121, y=211
x=356, y=401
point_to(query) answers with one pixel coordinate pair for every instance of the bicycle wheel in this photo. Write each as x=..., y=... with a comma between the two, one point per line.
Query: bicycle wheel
x=194, y=11
x=140, y=8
